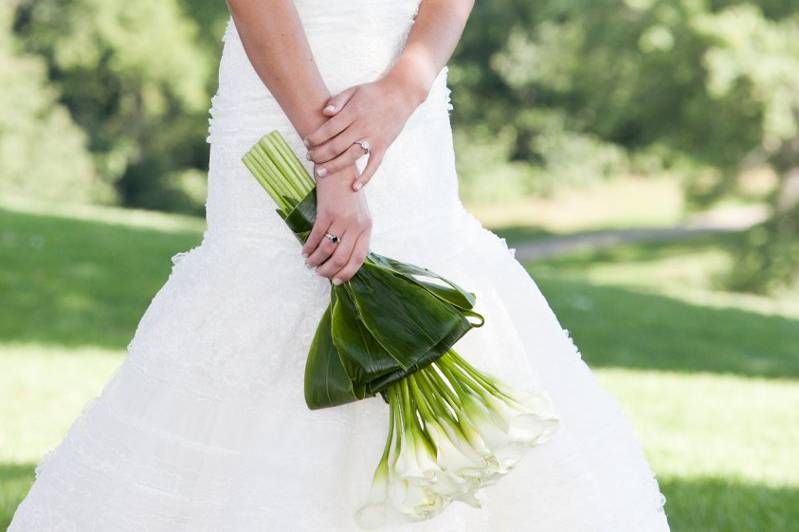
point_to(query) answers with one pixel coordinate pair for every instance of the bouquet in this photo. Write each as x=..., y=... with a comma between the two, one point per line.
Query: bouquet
x=389, y=330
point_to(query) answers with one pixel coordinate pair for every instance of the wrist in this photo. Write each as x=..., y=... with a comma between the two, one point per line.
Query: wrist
x=409, y=80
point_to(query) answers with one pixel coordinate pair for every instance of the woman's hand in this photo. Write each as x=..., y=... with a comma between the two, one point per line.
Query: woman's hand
x=375, y=112
x=342, y=212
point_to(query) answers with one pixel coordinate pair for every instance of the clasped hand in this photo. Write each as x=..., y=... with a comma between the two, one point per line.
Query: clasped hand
x=375, y=112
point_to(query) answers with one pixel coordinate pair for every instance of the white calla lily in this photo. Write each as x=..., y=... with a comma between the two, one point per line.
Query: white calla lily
x=455, y=431
x=373, y=513
x=475, y=413
x=524, y=425
x=448, y=456
x=414, y=501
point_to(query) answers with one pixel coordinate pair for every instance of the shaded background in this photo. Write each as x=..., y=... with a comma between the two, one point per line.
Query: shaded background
x=642, y=156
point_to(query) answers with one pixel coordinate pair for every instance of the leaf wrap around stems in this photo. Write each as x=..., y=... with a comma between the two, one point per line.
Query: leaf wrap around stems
x=390, y=320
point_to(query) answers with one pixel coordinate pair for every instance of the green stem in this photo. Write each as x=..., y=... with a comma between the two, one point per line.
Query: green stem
x=304, y=179
x=284, y=165
x=270, y=174
x=390, y=437
x=443, y=393
x=421, y=398
x=262, y=176
x=455, y=380
x=475, y=373
x=466, y=384
x=396, y=404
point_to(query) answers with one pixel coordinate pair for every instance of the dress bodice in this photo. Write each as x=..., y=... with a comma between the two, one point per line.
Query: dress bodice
x=353, y=43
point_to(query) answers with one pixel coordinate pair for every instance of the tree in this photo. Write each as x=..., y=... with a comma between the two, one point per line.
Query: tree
x=43, y=154
x=701, y=90
x=135, y=79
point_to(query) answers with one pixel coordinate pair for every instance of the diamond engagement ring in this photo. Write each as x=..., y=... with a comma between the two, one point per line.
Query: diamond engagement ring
x=333, y=238
x=364, y=144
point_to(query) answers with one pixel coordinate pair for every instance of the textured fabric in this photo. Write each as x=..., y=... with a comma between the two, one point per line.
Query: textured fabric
x=204, y=428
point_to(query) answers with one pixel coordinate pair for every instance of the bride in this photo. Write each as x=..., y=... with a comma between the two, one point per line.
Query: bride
x=204, y=425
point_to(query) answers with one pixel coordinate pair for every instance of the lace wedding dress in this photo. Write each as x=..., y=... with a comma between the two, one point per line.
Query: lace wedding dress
x=204, y=427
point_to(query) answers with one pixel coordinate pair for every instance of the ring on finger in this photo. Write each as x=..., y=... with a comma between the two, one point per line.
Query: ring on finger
x=364, y=144
x=333, y=238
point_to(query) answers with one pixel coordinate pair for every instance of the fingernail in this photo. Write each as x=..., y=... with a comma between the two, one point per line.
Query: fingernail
x=308, y=156
x=307, y=144
x=330, y=109
x=304, y=254
x=336, y=281
x=321, y=172
x=358, y=185
x=309, y=266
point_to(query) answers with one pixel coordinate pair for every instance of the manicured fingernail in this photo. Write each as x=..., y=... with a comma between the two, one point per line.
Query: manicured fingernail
x=308, y=156
x=304, y=254
x=321, y=172
x=336, y=281
x=307, y=144
x=358, y=185
x=330, y=109
x=309, y=266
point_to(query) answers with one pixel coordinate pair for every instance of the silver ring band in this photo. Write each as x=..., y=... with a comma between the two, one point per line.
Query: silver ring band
x=333, y=238
x=364, y=144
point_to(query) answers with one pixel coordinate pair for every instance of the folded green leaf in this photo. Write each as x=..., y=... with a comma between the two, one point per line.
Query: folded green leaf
x=405, y=318
x=326, y=382
x=361, y=354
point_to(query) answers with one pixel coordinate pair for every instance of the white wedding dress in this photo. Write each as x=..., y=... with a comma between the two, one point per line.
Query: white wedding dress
x=204, y=427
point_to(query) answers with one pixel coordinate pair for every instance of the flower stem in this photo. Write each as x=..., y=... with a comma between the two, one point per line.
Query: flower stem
x=474, y=373
x=443, y=399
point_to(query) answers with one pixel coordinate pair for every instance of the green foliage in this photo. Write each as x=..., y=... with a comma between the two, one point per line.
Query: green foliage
x=42, y=152
x=588, y=89
x=135, y=78
x=769, y=258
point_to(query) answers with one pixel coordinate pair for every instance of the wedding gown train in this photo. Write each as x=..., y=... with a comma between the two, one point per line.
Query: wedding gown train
x=203, y=427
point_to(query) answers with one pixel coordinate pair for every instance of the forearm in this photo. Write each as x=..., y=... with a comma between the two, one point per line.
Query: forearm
x=431, y=42
x=275, y=42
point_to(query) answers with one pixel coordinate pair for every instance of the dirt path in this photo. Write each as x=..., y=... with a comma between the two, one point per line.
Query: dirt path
x=733, y=219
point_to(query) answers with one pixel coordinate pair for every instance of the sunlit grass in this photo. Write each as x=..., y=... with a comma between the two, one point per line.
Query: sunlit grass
x=42, y=390
x=710, y=378
x=721, y=446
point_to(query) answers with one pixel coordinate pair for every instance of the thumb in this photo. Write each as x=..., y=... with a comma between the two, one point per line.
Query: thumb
x=337, y=102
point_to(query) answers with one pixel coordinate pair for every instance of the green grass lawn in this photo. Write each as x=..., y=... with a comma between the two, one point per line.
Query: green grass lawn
x=710, y=379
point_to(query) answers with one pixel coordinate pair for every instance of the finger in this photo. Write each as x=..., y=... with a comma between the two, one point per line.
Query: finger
x=340, y=256
x=318, y=231
x=357, y=257
x=375, y=158
x=325, y=248
x=337, y=102
x=346, y=159
x=334, y=147
x=332, y=127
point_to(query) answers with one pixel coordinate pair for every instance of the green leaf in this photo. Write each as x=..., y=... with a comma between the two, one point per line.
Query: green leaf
x=449, y=291
x=362, y=356
x=326, y=382
x=301, y=219
x=405, y=318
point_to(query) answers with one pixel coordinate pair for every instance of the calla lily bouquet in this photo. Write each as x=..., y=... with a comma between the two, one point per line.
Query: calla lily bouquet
x=390, y=330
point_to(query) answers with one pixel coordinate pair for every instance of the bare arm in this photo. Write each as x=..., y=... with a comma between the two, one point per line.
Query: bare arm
x=275, y=42
x=431, y=42
x=377, y=111
x=278, y=49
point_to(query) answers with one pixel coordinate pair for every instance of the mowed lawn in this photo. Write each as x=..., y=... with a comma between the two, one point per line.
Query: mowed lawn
x=710, y=379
